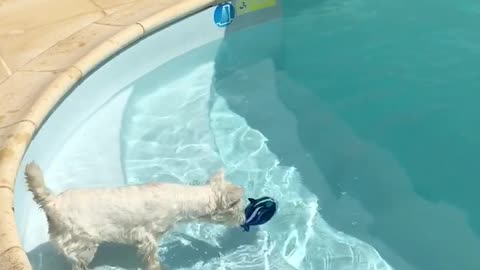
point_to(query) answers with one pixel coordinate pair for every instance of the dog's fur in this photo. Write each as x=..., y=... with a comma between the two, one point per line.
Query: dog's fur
x=80, y=219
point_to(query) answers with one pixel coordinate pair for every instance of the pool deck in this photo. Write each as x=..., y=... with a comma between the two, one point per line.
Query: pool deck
x=46, y=47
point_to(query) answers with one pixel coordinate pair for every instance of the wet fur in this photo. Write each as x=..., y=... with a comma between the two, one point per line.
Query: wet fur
x=80, y=219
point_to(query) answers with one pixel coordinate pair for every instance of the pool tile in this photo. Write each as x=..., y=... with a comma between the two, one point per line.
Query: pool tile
x=135, y=12
x=27, y=32
x=4, y=70
x=14, y=258
x=51, y=94
x=68, y=51
x=112, y=3
x=11, y=252
x=108, y=48
x=13, y=142
x=111, y=10
x=30, y=15
x=18, y=92
x=169, y=14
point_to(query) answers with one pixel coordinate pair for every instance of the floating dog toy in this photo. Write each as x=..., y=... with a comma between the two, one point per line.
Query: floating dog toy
x=258, y=212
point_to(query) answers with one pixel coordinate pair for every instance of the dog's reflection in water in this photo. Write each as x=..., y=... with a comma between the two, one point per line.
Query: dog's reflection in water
x=177, y=254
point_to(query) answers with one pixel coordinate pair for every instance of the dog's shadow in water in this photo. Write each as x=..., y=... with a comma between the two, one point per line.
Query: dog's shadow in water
x=178, y=255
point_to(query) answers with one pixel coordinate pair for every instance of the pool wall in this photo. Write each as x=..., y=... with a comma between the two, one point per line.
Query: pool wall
x=72, y=113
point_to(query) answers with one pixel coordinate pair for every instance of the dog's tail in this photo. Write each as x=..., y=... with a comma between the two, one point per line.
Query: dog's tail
x=41, y=194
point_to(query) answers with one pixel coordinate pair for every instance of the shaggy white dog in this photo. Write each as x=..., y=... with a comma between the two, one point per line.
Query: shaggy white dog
x=80, y=219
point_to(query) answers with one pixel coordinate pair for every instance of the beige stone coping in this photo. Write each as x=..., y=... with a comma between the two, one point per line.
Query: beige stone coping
x=45, y=48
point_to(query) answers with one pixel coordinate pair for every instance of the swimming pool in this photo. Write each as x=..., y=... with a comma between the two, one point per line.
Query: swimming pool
x=387, y=114
x=286, y=110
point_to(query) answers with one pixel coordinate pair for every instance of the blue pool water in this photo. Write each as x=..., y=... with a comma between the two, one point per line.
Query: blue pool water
x=402, y=78
x=362, y=123
x=183, y=130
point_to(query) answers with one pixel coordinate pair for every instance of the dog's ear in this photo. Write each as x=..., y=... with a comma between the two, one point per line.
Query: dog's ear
x=218, y=179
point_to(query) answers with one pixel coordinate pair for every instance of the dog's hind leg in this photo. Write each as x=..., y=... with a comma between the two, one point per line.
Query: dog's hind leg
x=147, y=248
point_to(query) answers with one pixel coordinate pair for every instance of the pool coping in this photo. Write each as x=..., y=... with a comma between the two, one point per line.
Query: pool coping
x=25, y=112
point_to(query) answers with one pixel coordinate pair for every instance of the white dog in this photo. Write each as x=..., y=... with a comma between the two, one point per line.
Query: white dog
x=80, y=219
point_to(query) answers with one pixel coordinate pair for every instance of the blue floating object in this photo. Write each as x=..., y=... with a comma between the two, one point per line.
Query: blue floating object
x=224, y=14
x=259, y=211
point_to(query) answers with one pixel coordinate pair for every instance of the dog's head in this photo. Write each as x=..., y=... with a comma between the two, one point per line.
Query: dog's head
x=228, y=205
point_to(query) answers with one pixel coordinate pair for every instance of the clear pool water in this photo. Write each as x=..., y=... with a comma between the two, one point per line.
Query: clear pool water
x=361, y=122
x=389, y=114
x=183, y=130
x=365, y=119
